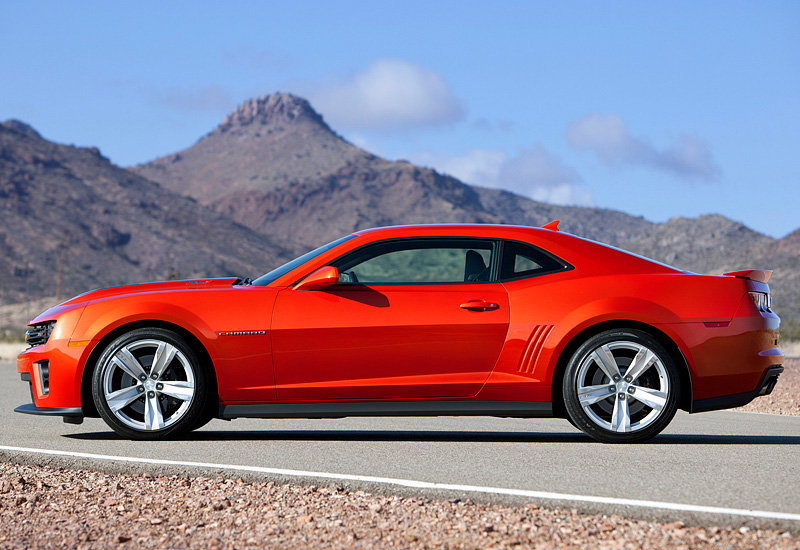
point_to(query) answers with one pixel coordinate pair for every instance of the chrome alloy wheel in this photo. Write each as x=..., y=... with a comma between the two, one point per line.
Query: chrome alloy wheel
x=622, y=386
x=148, y=384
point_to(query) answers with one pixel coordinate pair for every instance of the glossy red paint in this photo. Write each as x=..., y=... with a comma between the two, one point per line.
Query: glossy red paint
x=388, y=342
x=322, y=278
x=304, y=338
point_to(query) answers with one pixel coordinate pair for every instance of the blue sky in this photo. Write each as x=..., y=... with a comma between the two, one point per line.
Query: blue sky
x=658, y=109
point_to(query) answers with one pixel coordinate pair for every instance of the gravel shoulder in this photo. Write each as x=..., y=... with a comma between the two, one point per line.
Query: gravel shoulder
x=785, y=398
x=44, y=507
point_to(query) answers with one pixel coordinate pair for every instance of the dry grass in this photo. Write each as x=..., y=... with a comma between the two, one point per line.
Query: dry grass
x=17, y=315
x=9, y=351
x=791, y=349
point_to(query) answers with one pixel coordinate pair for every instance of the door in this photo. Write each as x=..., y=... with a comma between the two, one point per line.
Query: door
x=414, y=318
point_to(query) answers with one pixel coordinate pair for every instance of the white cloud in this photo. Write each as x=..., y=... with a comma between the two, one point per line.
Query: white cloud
x=389, y=94
x=608, y=136
x=476, y=166
x=534, y=172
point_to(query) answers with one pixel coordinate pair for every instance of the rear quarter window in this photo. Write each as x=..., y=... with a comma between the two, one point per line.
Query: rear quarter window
x=520, y=260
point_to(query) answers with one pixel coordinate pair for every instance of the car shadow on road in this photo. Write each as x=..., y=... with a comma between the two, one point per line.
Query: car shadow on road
x=451, y=436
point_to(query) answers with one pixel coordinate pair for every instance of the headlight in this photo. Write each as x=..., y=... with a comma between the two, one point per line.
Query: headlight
x=39, y=334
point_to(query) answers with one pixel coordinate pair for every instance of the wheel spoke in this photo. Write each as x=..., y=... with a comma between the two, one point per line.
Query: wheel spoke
x=164, y=355
x=652, y=398
x=643, y=361
x=153, y=419
x=620, y=418
x=605, y=360
x=122, y=398
x=589, y=395
x=179, y=390
x=125, y=360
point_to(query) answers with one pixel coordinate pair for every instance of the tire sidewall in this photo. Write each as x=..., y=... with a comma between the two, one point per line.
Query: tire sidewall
x=579, y=417
x=197, y=407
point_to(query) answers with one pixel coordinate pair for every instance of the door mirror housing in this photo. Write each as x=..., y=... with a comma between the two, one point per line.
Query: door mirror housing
x=319, y=279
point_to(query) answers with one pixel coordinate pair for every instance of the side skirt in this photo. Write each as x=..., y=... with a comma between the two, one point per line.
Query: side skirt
x=515, y=409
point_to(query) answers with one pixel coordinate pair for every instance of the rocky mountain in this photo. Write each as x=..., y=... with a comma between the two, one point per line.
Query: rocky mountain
x=273, y=180
x=72, y=221
x=265, y=143
x=708, y=244
x=714, y=244
x=275, y=166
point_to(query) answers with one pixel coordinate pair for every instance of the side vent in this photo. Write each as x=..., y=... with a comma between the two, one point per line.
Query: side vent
x=534, y=347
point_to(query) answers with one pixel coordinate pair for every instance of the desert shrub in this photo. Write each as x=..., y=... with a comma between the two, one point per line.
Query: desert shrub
x=12, y=334
x=790, y=330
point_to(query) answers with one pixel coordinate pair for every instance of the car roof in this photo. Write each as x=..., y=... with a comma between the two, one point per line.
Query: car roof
x=452, y=229
x=597, y=257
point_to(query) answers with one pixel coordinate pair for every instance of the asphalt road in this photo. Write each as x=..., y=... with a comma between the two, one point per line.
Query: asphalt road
x=731, y=460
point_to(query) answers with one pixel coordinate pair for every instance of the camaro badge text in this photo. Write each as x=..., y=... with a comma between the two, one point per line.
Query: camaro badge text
x=242, y=332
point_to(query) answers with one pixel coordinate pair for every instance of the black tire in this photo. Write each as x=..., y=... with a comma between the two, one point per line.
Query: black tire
x=144, y=398
x=612, y=406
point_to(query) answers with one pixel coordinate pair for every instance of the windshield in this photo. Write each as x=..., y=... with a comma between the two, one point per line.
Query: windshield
x=279, y=272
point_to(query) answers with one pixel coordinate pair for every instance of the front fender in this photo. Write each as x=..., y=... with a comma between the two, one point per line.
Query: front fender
x=100, y=321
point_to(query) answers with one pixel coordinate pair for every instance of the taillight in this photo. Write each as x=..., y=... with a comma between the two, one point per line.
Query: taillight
x=762, y=300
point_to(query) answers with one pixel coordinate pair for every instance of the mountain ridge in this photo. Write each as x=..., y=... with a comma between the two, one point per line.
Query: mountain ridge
x=283, y=166
x=73, y=221
x=273, y=180
x=262, y=144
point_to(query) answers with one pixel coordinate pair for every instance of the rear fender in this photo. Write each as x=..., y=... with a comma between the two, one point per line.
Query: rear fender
x=608, y=314
x=604, y=311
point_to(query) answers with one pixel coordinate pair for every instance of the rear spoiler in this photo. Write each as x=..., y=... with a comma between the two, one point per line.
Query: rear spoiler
x=758, y=275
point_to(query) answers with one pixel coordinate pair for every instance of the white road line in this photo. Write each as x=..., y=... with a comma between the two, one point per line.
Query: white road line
x=544, y=495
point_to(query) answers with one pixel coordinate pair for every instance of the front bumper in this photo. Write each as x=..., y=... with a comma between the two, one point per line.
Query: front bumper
x=71, y=415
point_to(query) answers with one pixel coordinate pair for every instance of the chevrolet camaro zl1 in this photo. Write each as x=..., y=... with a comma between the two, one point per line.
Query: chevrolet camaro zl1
x=437, y=320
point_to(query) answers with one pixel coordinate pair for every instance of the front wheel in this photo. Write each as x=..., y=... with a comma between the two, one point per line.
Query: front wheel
x=149, y=384
x=621, y=386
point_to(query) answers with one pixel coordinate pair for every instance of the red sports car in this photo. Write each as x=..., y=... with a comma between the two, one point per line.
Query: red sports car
x=437, y=320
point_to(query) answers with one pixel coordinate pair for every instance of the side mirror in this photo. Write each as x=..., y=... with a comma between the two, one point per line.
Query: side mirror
x=319, y=279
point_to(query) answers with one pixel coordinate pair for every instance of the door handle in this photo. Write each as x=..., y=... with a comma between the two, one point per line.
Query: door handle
x=480, y=305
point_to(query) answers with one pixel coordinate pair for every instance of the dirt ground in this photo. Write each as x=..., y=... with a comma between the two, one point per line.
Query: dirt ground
x=43, y=507
x=785, y=398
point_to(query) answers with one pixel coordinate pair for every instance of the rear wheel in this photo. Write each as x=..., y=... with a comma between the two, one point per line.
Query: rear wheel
x=621, y=386
x=149, y=384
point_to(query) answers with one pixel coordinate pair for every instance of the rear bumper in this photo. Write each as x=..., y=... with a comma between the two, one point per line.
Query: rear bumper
x=764, y=387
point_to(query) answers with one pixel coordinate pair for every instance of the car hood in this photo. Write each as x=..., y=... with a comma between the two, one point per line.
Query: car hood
x=149, y=288
x=82, y=300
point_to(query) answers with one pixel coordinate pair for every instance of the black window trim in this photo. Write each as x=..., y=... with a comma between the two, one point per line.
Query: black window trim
x=494, y=260
x=564, y=265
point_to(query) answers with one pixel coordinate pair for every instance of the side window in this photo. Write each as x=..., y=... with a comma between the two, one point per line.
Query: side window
x=521, y=260
x=418, y=261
